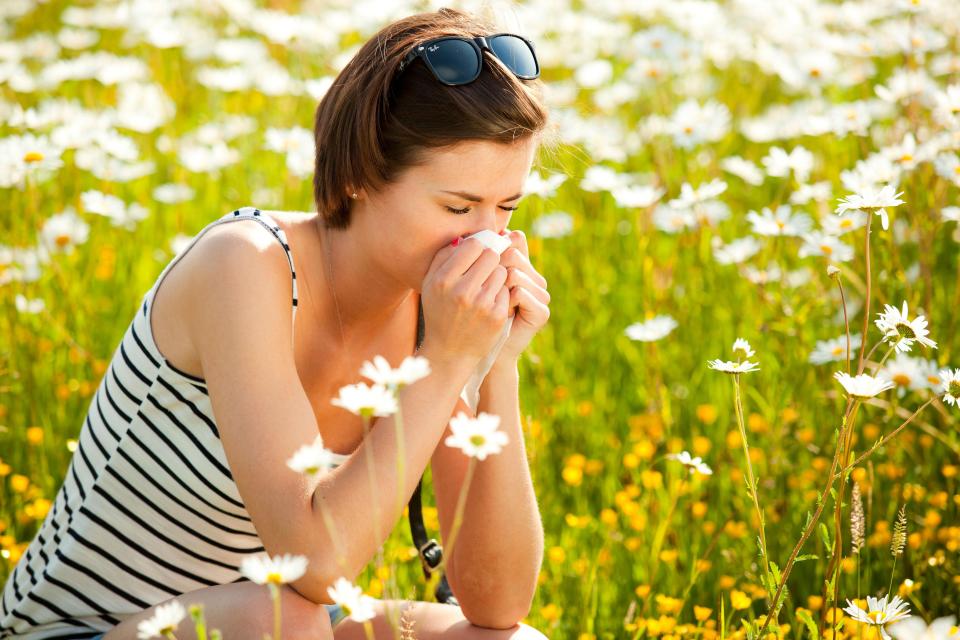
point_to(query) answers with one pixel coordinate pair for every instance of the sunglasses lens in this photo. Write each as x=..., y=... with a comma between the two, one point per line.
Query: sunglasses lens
x=454, y=61
x=516, y=54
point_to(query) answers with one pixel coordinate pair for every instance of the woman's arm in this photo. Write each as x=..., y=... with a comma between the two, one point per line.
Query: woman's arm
x=499, y=546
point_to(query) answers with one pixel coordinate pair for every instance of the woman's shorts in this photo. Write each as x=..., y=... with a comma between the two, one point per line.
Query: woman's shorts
x=336, y=615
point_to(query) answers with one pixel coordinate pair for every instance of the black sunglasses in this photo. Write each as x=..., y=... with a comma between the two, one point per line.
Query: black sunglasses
x=457, y=60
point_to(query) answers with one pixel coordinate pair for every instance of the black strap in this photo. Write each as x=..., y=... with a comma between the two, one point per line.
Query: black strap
x=430, y=551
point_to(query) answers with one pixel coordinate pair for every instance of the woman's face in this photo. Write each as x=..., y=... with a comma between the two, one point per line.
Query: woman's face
x=457, y=191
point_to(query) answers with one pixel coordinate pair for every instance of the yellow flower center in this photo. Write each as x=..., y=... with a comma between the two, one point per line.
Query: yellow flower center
x=62, y=240
x=477, y=440
x=826, y=249
x=954, y=388
x=32, y=156
x=906, y=157
x=902, y=379
x=275, y=577
x=906, y=331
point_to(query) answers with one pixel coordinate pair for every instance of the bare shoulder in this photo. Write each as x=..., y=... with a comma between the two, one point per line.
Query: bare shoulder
x=237, y=270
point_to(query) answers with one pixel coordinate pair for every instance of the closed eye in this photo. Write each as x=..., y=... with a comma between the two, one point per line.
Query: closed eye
x=468, y=209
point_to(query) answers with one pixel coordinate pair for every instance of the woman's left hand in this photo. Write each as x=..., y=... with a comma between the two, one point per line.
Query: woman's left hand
x=528, y=293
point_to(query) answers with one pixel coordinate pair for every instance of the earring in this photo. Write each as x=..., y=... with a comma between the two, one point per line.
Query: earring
x=354, y=196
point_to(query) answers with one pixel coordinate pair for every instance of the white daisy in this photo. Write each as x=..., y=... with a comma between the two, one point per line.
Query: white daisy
x=477, y=437
x=782, y=222
x=707, y=191
x=543, y=186
x=872, y=200
x=950, y=214
x=820, y=243
x=696, y=465
x=879, y=612
x=412, y=368
x=863, y=385
x=742, y=346
x=263, y=569
x=914, y=628
x=907, y=373
x=64, y=231
x=735, y=251
x=733, y=367
x=164, y=621
x=312, y=458
x=355, y=604
x=951, y=386
x=365, y=400
x=650, y=330
x=834, y=349
x=640, y=196
x=553, y=225
x=901, y=331
x=779, y=163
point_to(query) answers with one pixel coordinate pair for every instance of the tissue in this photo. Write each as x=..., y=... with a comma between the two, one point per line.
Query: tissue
x=471, y=391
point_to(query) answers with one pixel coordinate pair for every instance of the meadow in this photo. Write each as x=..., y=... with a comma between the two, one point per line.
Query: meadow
x=737, y=182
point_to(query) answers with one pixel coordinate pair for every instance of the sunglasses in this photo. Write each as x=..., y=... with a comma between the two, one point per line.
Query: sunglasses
x=457, y=60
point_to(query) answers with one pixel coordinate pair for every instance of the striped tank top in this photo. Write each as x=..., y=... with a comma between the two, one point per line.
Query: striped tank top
x=148, y=509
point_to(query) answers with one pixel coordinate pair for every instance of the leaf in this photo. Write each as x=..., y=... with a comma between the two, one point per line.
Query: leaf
x=806, y=556
x=825, y=535
x=805, y=618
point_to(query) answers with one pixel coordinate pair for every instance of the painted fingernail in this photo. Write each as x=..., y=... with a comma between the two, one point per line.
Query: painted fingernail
x=456, y=241
x=503, y=233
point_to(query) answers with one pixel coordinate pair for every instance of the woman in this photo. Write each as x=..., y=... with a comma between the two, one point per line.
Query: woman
x=180, y=471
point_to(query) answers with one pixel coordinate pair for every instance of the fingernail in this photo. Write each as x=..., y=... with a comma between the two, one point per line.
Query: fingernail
x=456, y=241
x=504, y=232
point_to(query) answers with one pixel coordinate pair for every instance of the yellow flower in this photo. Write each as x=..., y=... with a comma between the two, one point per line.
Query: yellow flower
x=668, y=555
x=576, y=460
x=706, y=413
x=35, y=435
x=551, y=612
x=644, y=449
x=608, y=517
x=739, y=600
x=577, y=522
x=630, y=460
x=698, y=509
x=814, y=602
x=19, y=483
x=651, y=479
x=572, y=476
x=701, y=613
x=701, y=446
x=556, y=555
x=642, y=591
x=667, y=605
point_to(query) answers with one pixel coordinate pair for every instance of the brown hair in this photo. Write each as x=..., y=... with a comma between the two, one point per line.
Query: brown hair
x=372, y=124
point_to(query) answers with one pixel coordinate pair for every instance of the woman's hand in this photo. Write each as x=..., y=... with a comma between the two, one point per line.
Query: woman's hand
x=528, y=292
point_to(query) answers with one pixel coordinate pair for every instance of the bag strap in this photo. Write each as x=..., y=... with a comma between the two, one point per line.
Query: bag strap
x=430, y=551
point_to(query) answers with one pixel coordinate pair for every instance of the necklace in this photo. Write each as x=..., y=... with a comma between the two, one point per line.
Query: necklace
x=328, y=275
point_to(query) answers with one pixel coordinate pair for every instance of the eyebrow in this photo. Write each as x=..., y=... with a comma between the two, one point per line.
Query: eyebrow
x=473, y=198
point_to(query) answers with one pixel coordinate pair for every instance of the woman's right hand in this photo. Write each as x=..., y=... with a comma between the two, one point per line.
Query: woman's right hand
x=465, y=302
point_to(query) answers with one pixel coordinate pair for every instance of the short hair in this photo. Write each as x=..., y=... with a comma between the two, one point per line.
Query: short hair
x=372, y=123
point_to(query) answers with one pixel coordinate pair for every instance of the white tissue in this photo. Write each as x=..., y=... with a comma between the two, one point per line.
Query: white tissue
x=471, y=392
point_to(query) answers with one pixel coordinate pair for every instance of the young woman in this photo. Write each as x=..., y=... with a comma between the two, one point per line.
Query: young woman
x=180, y=471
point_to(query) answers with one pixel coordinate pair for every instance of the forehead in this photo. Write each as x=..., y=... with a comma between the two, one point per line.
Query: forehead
x=477, y=164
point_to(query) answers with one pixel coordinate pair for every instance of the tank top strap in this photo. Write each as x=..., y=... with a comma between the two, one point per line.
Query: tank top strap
x=274, y=228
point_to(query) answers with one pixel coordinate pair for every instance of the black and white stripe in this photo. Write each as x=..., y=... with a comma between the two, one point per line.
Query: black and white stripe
x=148, y=508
